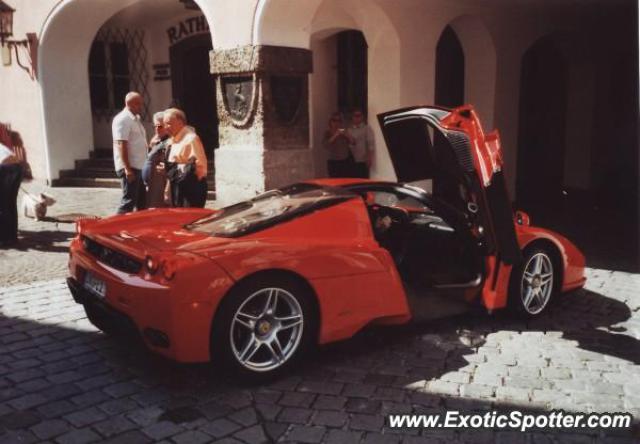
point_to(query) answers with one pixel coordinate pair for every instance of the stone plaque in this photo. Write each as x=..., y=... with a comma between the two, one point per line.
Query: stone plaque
x=286, y=93
x=238, y=96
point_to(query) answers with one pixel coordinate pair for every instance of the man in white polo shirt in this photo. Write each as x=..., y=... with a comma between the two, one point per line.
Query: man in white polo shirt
x=130, y=152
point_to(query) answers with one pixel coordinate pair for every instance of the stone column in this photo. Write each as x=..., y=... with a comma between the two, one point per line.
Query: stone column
x=262, y=94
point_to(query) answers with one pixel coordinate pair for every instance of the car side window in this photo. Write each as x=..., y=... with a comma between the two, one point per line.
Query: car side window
x=389, y=199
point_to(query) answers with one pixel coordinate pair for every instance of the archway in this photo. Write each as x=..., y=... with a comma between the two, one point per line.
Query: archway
x=313, y=24
x=63, y=61
x=541, y=138
x=450, y=71
x=194, y=88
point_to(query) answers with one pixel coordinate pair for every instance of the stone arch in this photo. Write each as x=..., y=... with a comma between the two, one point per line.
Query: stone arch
x=479, y=64
x=314, y=20
x=65, y=42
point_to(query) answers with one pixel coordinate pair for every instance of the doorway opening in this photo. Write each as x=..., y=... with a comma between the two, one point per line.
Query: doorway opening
x=541, y=136
x=194, y=88
x=352, y=71
x=449, y=70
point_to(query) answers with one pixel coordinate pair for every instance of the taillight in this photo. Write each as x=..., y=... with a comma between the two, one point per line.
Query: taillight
x=151, y=264
x=169, y=268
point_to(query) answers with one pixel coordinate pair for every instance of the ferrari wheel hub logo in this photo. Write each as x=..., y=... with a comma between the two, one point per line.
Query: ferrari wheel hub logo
x=264, y=327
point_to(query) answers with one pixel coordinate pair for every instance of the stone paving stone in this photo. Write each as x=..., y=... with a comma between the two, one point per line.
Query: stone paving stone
x=295, y=415
x=342, y=437
x=274, y=430
x=113, y=426
x=255, y=434
x=161, y=430
x=330, y=418
x=220, y=427
x=19, y=420
x=214, y=410
x=330, y=402
x=362, y=405
x=80, y=436
x=18, y=436
x=294, y=399
x=320, y=387
x=90, y=398
x=56, y=408
x=85, y=417
x=130, y=437
x=477, y=391
x=371, y=423
x=245, y=417
x=306, y=434
x=359, y=390
x=379, y=438
x=117, y=406
x=191, y=437
x=268, y=412
x=50, y=428
x=121, y=389
x=27, y=401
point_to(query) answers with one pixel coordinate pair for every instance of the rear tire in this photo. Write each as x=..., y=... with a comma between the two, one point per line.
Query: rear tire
x=533, y=283
x=263, y=327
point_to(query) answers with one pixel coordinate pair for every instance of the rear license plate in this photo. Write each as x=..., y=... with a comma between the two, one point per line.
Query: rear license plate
x=95, y=285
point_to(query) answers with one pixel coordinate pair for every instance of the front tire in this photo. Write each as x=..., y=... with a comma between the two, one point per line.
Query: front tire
x=533, y=283
x=263, y=327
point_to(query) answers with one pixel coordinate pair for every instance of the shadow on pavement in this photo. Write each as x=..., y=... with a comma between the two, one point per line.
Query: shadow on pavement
x=44, y=240
x=381, y=371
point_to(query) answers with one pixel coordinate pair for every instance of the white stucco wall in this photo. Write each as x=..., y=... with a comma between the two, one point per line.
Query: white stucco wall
x=20, y=104
x=53, y=115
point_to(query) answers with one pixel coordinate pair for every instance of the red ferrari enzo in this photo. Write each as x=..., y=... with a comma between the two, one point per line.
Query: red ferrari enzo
x=255, y=284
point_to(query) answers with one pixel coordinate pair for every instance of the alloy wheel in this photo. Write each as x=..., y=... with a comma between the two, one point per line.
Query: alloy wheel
x=537, y=283
x=266, y=329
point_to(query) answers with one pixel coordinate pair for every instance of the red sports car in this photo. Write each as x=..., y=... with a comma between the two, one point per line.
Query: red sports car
x=255, y=284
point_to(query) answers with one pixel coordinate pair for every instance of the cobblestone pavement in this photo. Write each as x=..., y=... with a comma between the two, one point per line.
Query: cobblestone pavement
x=63, y=381
x=45, y=242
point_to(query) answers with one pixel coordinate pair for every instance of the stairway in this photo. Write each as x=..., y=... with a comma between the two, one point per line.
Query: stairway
x=97, y=172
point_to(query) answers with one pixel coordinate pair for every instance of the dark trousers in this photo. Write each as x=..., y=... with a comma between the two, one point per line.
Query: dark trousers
x=189, y=193
x=340, y=168
x=133, y=193
x=10, y=179
x=360, y=170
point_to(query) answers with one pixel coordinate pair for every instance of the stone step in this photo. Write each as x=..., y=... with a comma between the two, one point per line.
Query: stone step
x=86, y=182
x=94, y=163
x=89, y=172
x=101, y=153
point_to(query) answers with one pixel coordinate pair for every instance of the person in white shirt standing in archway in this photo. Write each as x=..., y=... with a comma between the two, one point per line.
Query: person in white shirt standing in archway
x=130, y=152
x=363, y=144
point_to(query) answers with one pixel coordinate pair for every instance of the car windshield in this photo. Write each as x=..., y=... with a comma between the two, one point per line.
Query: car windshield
x=268, y=209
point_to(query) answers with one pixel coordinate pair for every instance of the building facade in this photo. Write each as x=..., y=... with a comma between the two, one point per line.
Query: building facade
x=260, y=78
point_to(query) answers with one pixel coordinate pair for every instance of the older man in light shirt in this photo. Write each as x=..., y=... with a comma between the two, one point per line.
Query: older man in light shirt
x=130, y=152
x=187, y=162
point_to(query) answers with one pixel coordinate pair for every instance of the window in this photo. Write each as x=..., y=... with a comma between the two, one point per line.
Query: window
x=117, y=65
x=98, y=77
x=119, y=71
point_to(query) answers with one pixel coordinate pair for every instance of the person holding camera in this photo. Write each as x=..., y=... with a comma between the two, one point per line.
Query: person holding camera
x=337, y=142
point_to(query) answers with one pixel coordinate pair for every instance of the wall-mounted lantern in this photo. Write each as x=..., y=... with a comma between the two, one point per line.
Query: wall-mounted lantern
x=28, y=45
